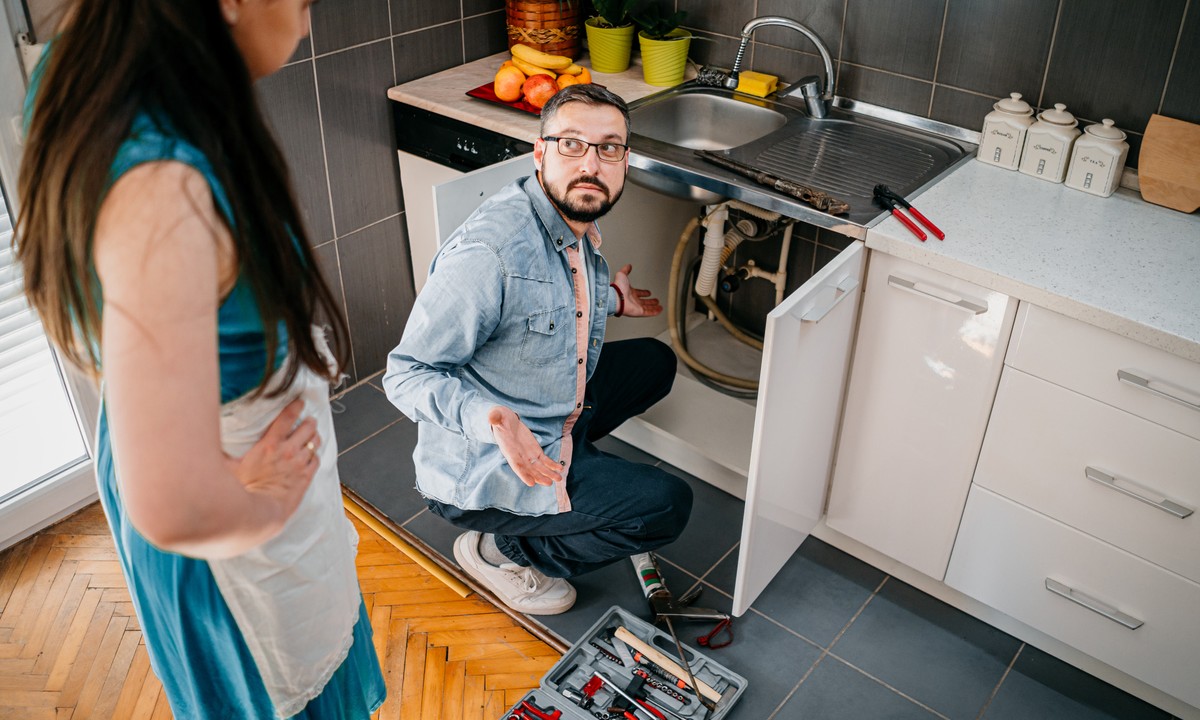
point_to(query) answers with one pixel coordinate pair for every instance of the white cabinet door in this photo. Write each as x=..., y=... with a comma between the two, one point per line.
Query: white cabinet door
x=805, y=357
x=454, y=201
x=926, y=365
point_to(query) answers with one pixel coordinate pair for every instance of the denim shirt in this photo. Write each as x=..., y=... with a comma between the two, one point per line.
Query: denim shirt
x=497, y=324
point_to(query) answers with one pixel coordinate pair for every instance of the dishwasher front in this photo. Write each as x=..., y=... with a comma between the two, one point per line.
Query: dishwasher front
x=434, y=149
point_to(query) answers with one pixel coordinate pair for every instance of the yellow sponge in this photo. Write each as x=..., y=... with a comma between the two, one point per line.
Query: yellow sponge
x=756, y=83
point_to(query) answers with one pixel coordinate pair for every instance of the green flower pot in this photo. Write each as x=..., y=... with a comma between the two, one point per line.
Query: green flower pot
x=609, y=48
x=664, y=61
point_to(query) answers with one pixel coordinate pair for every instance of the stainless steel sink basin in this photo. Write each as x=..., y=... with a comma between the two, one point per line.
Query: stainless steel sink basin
x=706, y=121
x=845, y=154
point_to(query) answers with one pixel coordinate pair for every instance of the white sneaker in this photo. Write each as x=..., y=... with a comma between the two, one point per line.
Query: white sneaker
x=521, y=588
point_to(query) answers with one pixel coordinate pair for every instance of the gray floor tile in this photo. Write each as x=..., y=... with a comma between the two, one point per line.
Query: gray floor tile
x=836, y=691
x=818, y=591
x=770, y=658
x=434, y=532
x=380, y=470
x=365, y=411
x=1041, y=686
x=927, y=650
x=714, y=528
x=597, y=591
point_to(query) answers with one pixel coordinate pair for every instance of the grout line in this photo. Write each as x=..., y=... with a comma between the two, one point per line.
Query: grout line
x=807, y=673
x=1003, y=677
x=937, y=62
x=861, y=608
x=902, y=694
x=416, y=515
x=355, y=386
x=374, y=434
x=339, y=51
x=371, y=225
x=1174, y=54
x=1050, y=53
x=392, y=45
x=332, y=218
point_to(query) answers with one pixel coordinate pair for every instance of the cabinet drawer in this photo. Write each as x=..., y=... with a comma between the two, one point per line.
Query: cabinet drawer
x=1053, y=450
x=1125, y=373
x=1005, y=553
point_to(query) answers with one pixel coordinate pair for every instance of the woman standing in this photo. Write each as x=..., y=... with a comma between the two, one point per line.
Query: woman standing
x=163, y=250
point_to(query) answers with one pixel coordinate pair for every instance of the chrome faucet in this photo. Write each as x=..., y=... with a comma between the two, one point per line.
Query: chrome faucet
x=815, y=98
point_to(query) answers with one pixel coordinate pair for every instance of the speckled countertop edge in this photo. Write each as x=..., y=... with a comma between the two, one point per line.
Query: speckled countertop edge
x=1119, y=263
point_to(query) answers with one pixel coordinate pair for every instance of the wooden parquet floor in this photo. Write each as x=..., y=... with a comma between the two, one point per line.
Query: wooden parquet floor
x=71, y=647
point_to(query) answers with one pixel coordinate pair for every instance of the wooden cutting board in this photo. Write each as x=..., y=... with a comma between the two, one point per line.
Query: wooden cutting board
x=1169, y=166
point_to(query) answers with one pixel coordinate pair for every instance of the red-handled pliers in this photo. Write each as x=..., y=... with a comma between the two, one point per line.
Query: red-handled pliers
x=893, y=202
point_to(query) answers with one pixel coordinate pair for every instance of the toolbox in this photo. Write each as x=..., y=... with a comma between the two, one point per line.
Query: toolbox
x=624, y=668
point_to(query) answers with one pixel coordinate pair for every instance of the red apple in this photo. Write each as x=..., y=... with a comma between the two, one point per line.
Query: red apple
x=538, y=89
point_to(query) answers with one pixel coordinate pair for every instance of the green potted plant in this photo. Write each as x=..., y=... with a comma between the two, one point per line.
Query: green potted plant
x=664, y=45
x=610, y=35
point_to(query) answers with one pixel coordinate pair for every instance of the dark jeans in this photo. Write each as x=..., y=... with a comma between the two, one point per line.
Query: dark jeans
x=618, y=508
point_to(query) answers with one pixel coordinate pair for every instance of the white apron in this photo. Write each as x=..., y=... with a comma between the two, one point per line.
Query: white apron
x=295, y=597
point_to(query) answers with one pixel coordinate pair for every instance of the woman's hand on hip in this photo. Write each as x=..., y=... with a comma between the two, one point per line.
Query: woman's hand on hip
x=281, y=465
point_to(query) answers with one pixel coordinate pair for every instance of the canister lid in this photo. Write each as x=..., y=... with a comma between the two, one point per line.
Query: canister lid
x=1105, y=130
x=1058, y=115
x=1014, y=104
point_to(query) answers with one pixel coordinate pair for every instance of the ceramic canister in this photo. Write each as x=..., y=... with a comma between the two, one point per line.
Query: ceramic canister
x=1004, y=131
x=1098, y=159
x=1048, y=144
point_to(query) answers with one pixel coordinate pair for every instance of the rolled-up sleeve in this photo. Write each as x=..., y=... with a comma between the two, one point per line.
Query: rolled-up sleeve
x=457, y=310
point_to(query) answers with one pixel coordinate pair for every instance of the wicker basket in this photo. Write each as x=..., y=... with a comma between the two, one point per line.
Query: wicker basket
x=553, y=26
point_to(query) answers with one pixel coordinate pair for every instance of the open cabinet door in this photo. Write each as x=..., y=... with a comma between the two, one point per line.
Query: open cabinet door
x=455, y=200
x=806, y=356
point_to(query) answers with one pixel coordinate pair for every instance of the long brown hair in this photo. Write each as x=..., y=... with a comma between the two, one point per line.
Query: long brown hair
x=178, y=61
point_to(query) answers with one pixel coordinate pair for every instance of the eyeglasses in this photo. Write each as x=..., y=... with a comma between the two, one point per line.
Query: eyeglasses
x=574, y=147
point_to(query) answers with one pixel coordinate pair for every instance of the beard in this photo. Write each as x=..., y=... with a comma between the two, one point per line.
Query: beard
x=579, y=209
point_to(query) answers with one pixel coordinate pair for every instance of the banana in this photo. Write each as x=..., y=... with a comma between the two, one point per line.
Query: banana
x=572, y=69
x=531, y=69
x=539, y=58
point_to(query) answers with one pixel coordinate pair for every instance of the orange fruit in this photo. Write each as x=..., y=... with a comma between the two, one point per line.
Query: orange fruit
x=538, y=89
x=508, y=82
x=565, y=80
x=585, y=76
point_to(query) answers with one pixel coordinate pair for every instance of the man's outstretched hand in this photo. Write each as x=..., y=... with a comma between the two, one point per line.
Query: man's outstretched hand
x=638, y=303
x=521, y=448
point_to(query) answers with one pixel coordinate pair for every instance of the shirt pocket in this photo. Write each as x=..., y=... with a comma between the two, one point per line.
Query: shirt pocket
x=546, y=336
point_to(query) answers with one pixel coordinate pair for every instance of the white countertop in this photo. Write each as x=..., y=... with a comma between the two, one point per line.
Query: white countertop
x=1119, y=263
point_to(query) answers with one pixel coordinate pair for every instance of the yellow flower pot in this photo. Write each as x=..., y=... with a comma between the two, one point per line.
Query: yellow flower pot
x=664, y=61
x=609, y=48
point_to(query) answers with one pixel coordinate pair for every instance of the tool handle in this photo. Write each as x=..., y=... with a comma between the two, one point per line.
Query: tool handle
x=908, y=223
x=664, y=662
x=925, y=221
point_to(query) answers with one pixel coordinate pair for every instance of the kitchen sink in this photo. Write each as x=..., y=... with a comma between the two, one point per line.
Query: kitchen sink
x=706, y=121
x=845, y=154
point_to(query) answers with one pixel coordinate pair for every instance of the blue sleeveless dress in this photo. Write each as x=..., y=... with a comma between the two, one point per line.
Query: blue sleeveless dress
x=196, y=648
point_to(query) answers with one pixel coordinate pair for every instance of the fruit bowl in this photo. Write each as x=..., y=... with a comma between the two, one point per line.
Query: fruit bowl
x=487, y=92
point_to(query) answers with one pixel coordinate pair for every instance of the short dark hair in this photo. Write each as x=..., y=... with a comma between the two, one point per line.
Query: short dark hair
x=588, y=94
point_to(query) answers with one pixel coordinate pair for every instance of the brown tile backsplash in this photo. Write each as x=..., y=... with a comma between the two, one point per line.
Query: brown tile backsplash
x=948, y=59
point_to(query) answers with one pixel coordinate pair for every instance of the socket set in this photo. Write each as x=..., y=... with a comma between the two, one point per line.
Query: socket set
x=624, y=668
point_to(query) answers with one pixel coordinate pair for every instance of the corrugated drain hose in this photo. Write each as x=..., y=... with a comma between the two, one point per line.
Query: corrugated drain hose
x=673, y=313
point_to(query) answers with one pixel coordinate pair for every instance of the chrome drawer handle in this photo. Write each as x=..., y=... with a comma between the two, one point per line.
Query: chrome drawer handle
x=1148, y=385
x=842, y=291
x=1130, y=488
x=938, y=293
x=1093, y=604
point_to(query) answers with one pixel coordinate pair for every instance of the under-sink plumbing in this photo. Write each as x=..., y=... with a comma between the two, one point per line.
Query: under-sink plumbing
x=815, y=97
